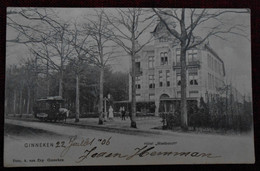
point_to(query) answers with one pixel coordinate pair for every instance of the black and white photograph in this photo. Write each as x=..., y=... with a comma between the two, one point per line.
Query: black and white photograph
x=128, y=86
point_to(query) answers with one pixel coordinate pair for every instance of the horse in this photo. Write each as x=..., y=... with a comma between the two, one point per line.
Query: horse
x=64, y=113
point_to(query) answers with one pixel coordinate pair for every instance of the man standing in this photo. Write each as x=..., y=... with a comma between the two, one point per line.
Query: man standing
x=123, y=113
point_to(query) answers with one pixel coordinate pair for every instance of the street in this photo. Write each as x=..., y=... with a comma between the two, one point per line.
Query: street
x=47, y=141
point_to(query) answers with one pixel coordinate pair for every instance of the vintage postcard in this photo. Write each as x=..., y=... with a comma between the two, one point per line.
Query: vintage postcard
x=127, y=86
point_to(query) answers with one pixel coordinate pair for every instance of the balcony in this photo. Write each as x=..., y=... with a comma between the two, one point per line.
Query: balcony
x=190, y=64
x=194, y=63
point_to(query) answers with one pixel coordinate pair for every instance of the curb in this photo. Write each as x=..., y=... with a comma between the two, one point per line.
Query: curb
x=131, y=131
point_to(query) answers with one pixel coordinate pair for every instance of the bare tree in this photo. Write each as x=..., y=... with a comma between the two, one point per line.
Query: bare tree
x=101, y=35
x=83, y=52
x=182, y=24
x=29, y=67
x=130, y=25
x=56, y=51
x=45, y=34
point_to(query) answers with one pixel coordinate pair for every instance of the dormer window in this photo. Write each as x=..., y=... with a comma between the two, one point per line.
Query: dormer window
x=178, y=56
x=163, y=39
x=164, y=58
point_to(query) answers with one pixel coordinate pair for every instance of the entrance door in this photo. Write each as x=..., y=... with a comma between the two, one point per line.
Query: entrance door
x=164, y=103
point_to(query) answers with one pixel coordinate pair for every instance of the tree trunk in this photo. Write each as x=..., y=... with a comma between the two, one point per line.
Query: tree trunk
x=20, y=102
x=61, y=83
x=77, y=98
x=14, y=102
x=48, y=87
x=184, y=116
x=100, y=107
x=28, y=100
x=47, y=77
x=133, y=111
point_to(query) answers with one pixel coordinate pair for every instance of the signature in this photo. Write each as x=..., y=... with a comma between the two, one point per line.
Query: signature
x=147, y=150
x=144, y=151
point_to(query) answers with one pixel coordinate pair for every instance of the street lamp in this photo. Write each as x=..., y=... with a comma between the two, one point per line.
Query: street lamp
x=105, y=111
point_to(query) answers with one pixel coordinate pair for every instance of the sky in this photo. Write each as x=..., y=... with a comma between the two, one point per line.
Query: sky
x=235, y=51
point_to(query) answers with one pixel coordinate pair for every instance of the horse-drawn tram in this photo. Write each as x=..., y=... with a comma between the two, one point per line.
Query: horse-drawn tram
x=50, y=109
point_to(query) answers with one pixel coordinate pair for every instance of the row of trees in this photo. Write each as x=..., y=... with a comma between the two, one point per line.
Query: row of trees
x=55, y=42
x=22, y=88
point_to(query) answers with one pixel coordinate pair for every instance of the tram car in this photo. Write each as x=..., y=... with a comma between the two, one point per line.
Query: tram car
x=50, y=109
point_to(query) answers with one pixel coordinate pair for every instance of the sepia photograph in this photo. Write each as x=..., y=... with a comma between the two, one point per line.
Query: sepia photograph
x=128, y=86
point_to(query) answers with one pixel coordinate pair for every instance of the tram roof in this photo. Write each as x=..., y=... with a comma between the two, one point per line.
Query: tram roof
x=51, y=98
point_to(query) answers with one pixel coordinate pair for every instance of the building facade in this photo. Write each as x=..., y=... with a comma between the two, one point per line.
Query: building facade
x=158, y=78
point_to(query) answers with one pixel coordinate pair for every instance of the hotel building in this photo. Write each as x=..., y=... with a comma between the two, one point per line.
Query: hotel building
x=158, y=79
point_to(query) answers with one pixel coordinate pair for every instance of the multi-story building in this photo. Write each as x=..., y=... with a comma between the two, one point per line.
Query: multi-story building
x=158, y=78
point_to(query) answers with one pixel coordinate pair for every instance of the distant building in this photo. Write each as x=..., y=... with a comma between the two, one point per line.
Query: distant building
x=158, y=79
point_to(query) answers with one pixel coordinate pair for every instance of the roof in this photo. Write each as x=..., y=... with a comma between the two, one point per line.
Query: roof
x=148, y=48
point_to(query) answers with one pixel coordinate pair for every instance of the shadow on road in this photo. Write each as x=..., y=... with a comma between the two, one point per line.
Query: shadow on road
x=17, y=130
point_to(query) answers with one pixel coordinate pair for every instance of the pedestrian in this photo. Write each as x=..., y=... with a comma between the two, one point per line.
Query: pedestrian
x=111, y=114
x=123, y=113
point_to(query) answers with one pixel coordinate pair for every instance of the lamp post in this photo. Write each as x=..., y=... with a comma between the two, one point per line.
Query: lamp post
x=105, y=106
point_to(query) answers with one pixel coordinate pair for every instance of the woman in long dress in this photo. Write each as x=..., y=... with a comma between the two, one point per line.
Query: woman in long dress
x=111, y=114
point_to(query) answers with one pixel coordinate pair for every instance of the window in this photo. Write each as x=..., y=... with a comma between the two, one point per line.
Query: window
x=138, y=82
x=137, y=67
x=192, y=55
x=178, y=79
x=138, y=96
x=208, y=60
x=215, y=65
x=193, y=78
x=151, y=62
x=212, y=63
x=164, y=58
x=217, y=82
x=151, y=96
x=168, y=78
x=213, y=81
x=208, y=80
x=178, y=93
x=151, y=81
x=178, y=56
x=163, y=39
x=160, y=79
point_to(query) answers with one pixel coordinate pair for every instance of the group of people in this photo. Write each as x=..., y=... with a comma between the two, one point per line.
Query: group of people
x=111, y=113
